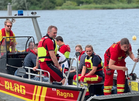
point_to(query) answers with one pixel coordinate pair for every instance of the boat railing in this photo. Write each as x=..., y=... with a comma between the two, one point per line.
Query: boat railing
x=71, y=62
x=40, y=73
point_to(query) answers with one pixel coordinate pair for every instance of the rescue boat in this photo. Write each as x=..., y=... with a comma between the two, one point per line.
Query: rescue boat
x=31, y=90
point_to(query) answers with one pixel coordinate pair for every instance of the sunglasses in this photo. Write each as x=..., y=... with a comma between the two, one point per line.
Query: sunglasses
x=8, y=25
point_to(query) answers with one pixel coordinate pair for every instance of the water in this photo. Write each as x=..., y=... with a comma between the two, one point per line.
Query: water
x=100, y=28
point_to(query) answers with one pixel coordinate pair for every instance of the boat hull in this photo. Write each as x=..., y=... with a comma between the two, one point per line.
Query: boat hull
x=30, y=90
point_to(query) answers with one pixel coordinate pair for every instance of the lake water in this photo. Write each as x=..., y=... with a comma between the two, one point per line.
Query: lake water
x=100, y=28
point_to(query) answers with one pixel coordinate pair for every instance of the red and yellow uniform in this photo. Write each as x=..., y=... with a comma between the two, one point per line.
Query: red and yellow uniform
x=65, y=49
x=45, y=45
x=9, y=41
x=115, y=53
x=96, y=77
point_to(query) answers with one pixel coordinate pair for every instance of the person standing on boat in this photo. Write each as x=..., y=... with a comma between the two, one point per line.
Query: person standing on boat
x=47, y=51
x=63, y=48
x=92, y=69
x=7, y=32
x=114, y=59
x=78, y=48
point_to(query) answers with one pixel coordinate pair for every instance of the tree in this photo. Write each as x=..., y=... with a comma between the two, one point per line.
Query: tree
x=1, y=5
x=19, y=4
x=70, y=3
x=87, y=1
x=59, y=2
x=48, y=4
x=137, y=1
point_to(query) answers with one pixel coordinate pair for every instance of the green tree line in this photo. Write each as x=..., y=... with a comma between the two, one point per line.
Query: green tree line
x=57, y=4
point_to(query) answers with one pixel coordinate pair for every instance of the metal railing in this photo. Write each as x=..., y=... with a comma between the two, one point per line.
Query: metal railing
x=40, y=75
x=71, y=62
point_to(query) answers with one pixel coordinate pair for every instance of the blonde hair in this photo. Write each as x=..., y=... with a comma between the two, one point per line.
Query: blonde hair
x=79, y=47
x=89, y=46
x=7, y=21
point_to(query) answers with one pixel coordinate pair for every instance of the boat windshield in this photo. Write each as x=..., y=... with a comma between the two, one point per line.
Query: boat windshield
x=23, y=44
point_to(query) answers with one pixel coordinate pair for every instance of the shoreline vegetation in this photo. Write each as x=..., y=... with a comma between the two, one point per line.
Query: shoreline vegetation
x=103, y=6
x=69, y=4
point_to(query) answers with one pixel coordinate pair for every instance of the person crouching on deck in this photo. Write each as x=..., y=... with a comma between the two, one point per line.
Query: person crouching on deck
x=93, y=66
x=114, y=59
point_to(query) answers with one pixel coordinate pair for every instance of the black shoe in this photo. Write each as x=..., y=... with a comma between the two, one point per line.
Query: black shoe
x=57, y=83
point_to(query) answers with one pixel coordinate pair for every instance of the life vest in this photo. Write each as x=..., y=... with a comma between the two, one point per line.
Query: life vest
x=42, y=51
x=10, y=42
x=89, y=64
x=11, y=49
x=67, y=52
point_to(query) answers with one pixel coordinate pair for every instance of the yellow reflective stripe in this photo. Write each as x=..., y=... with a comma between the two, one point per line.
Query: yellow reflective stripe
x=44, y=91
x=107, y=91
x=38, y=93
x=120, y=90
x=120, y=85
x=1, y=35
x=101, y=63
x=107, y=87
x=91, y=79
x=94, y=78
x=34, y=93
x=42, y=53
x=86, y=79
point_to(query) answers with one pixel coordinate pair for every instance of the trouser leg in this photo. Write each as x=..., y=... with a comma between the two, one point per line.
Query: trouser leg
x=70, y=78
x=90, y=79
x=120, y=81
x=108, y=82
